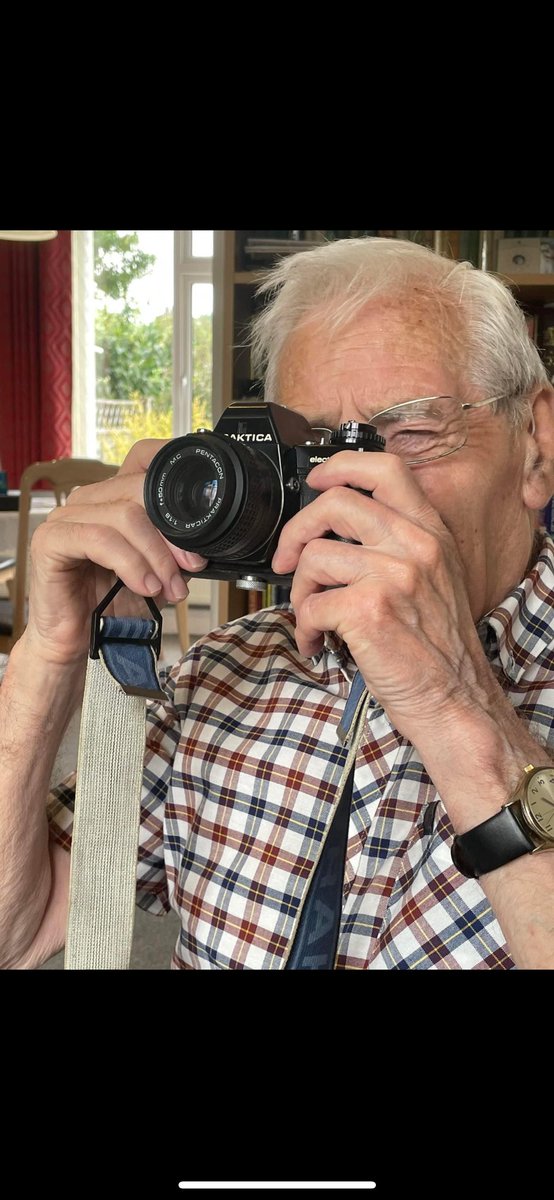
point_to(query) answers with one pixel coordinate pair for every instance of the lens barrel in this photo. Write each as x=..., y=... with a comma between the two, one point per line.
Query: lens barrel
x=208, y=493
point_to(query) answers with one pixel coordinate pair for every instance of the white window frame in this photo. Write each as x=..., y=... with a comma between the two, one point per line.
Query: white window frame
x=188, y=270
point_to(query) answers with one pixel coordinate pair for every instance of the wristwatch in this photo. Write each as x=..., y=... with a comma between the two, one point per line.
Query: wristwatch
x=524, y=825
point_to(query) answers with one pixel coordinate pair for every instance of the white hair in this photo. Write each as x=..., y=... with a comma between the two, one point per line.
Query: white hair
x=477, y=313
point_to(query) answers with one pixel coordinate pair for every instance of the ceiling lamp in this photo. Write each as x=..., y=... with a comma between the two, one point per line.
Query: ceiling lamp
x=27, y=235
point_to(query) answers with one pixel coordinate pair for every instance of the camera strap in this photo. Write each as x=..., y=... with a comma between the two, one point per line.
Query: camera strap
x=121, y=676
x=317, y=933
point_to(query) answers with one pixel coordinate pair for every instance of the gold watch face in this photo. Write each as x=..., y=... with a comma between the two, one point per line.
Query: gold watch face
x=538, y=802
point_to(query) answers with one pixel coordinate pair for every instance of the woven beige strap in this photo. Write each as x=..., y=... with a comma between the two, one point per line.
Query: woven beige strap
x=102, y=890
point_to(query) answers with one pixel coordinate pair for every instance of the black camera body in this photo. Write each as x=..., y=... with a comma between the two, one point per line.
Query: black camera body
x=226, y=493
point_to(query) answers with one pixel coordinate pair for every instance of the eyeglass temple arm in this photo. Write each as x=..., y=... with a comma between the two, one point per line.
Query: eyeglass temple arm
x=481, y=403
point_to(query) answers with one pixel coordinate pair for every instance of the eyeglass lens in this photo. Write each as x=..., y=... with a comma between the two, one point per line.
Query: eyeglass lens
x=423, y=430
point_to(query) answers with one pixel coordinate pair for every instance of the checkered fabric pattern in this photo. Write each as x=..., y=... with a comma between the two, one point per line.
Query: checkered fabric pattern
x=241, y=771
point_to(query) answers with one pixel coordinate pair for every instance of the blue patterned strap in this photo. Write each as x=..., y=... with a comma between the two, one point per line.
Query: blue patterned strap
x=357, y=691
x=317, y=933
x=130, y=646
x=126, y=645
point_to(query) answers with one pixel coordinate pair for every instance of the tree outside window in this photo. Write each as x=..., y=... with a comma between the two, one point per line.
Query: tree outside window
x=134, y=351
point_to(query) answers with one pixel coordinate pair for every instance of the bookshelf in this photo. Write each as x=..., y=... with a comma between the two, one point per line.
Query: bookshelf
x=235, y=288
x=234, y=305
x=531, y=289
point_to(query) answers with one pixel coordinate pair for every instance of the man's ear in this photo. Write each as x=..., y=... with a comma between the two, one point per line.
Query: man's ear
x=538, y=474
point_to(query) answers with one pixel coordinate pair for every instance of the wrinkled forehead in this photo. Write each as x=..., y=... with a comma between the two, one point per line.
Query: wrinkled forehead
x=384, y=355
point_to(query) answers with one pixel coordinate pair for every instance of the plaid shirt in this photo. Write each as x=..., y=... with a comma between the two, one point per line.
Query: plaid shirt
x=241, y=771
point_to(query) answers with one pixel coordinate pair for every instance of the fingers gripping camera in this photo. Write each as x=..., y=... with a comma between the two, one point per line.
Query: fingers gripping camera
x=227, y=493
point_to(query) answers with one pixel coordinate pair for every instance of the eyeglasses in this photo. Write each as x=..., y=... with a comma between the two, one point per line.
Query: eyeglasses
x=421, y=430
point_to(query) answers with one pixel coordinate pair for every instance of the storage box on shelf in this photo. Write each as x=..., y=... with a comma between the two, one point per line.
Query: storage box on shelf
x=531, y=256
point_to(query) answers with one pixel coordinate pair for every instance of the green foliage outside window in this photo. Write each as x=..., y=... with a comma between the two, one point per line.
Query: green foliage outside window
x=202, y=372
x=134, y=359
x=118, y=261
x=145, y=422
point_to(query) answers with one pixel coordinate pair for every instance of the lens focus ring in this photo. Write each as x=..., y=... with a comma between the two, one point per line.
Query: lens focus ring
x=210, y=494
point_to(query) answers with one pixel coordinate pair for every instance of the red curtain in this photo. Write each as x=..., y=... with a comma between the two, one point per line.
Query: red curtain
x=35, y=352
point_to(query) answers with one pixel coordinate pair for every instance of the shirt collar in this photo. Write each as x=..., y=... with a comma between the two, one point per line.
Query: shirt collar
x=520, y=630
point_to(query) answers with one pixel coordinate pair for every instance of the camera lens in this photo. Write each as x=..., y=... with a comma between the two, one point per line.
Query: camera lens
x=192, y=494
x=209, y=493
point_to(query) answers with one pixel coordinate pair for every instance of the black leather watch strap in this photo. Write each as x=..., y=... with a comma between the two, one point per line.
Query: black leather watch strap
x=490, y=845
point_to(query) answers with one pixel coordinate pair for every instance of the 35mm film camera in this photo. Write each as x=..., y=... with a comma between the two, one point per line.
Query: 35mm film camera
x=227, y=493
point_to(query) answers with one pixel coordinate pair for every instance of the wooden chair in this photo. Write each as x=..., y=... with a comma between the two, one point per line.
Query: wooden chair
x=64, y=474
x=182, y=616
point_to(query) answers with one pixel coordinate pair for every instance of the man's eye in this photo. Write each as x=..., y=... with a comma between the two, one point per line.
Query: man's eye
x=402, y=431
x=411, y=441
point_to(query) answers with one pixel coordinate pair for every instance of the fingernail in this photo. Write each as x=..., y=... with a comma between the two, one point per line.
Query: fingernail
x=195, y=560
x=188, y=558
x=178, y=587
x=152, y=584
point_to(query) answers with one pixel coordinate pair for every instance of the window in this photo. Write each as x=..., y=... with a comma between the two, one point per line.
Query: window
x=133, y=272
x=142, y=350
x=193, y=330
x=142, y=357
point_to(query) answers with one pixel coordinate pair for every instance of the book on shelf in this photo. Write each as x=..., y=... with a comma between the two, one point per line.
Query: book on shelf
x=272, y=595
x=532, y=322
x=527, y=233
x=545, y=338
x=423, y=237
x=275, y=245
x=336, y=235
x=469, y=246
x=451, y=243
x=264, y=251
x=258, y=247
x=539, y=319
x=249, y=389
x=546, y=324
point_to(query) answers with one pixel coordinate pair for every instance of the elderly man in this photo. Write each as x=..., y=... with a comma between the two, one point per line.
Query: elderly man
x=437, y=603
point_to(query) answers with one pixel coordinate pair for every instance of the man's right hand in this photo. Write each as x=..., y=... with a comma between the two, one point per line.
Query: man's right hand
x=102, y=531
